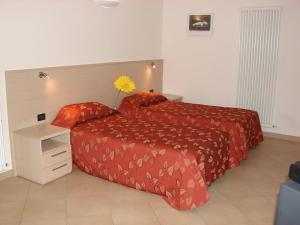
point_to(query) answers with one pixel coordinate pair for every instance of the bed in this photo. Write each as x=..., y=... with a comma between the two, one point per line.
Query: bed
x=177, y=162
x=243, y=126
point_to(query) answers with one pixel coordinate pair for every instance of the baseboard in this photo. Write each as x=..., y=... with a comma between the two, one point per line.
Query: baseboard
x=282, y=137
x=6, y=175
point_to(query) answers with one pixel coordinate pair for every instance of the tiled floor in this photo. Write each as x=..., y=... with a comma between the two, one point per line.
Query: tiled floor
x=246, y=195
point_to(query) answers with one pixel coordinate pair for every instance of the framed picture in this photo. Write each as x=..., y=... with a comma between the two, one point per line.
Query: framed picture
x=200, y=24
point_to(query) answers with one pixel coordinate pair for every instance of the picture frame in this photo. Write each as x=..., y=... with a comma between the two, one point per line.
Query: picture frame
x=200, y=24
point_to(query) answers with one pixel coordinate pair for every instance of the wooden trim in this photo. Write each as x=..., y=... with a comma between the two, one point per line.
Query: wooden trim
x=282, y=137
x=6, y=175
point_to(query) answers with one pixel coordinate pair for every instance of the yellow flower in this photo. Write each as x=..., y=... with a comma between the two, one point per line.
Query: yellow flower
x=124, y=84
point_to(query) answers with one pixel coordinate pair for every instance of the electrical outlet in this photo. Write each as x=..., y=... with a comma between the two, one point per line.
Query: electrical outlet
x=41, y=117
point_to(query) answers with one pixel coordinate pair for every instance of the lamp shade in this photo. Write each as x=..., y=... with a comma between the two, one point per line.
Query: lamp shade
x=108, y=3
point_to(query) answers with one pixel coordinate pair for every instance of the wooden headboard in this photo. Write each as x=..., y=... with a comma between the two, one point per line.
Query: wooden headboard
x=28, y=95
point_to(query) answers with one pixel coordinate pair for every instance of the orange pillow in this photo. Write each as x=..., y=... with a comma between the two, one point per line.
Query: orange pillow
x=151, y=98
x=70, y=115
x=141, y=100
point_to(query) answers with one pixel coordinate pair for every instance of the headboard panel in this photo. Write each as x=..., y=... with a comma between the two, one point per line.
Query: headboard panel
x=28, y=95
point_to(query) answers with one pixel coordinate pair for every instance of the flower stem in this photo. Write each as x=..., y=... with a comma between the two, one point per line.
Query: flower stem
x=116, y=100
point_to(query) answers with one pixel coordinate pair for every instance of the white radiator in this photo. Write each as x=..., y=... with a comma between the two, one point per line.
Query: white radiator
x=259, y=39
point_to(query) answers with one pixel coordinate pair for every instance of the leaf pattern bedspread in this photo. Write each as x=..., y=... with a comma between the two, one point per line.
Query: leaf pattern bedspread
x=243, y=126
x=177, y=162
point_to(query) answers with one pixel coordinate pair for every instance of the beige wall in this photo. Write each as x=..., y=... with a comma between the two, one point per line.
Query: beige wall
x=47, y=33
x=205, y=68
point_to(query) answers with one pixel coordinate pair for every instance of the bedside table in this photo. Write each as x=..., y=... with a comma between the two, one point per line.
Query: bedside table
x=171, y=97
x=43, y=152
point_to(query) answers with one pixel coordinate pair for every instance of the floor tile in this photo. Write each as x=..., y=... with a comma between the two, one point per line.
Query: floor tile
x=256, y=208
x=236, y=189
x=221, y=214
x=174, y=217
x=13, y=192
x=133, y=213
x=88, y=206
x=9, y=223
x=247, y=173
x=214, y=194
x=11, y=212
x=80, y=184
x=267, y=221
x=14, y=180
x=53, y=190
x=104, y=219
x=266, y=186
x=43, y=210
x=135, y=218
x=121, y=206
x=46, y=222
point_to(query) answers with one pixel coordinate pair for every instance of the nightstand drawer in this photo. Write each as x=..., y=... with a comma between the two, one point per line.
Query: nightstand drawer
x=58, y=170
x=56, y=155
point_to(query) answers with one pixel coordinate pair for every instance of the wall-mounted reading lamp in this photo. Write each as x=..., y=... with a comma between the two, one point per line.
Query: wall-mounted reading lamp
x=153, y=65
x=108, y=3
x=43, y=75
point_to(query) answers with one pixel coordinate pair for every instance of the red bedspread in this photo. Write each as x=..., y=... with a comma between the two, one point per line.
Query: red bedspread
x=242, y=125
x=177, y=162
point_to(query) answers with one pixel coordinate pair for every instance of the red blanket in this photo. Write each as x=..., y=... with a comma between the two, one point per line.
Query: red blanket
x=242, y=125
x=177, y=162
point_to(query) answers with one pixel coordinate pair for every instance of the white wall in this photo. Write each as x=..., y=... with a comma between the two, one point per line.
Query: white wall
x=38, y=33
x=205, y=69
x=44, y=33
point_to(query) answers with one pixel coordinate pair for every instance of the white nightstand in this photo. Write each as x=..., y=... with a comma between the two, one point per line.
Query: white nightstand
x=43, y=152
x=177, y=98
